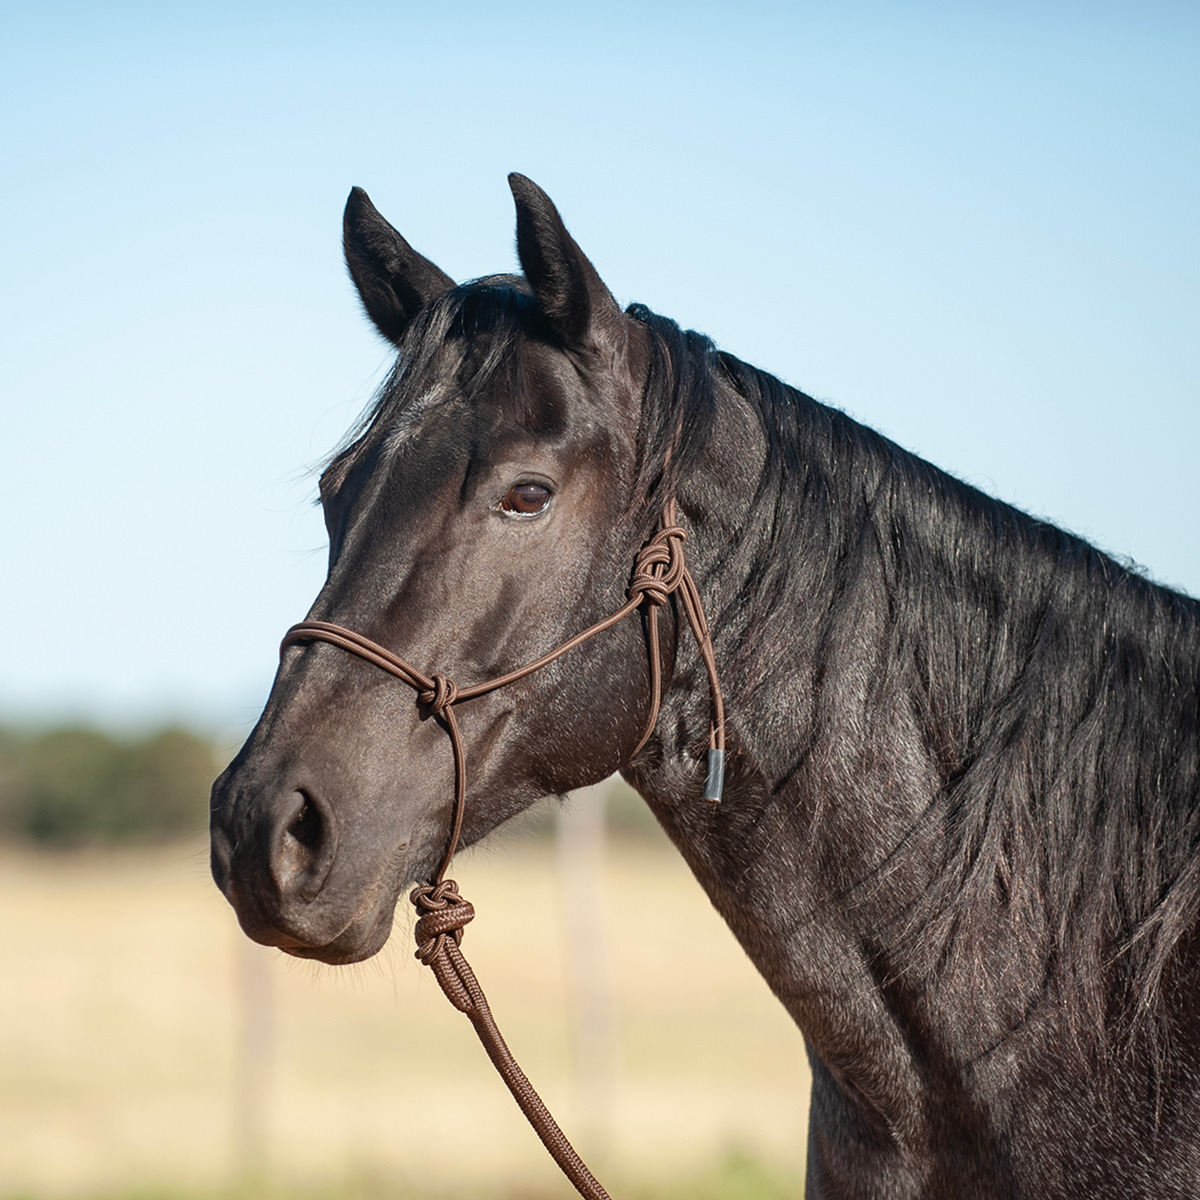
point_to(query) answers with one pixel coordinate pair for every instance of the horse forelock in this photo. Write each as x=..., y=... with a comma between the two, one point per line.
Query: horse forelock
x=451, y=350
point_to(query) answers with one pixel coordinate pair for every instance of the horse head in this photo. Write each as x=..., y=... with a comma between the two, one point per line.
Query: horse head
x=488, y=508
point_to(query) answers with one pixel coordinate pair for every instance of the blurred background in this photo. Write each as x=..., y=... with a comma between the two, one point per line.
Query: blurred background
x=972, y=227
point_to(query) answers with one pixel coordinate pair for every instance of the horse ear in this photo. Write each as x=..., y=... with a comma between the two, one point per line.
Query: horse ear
x=393, y=280
x=571, y=293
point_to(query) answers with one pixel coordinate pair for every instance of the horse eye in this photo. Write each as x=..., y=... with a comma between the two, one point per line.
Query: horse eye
x=526, y=499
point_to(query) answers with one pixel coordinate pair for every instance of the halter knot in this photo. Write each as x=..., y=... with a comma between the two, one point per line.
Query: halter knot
x=658, y=568
x=442, y=695
x=445, y=915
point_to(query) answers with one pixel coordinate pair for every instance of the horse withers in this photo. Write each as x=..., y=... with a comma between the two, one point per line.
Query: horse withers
x=960, y=831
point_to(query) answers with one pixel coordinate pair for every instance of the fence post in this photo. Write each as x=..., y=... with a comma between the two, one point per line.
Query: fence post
x=580, y=868
x=255, y=1055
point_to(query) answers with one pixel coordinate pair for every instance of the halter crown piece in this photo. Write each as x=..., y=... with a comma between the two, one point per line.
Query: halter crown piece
x=659, y=572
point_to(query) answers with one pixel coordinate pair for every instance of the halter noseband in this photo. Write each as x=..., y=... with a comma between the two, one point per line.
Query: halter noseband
x=659, y=572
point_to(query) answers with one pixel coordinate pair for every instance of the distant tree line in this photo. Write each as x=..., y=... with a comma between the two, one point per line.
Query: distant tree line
x=77, y=786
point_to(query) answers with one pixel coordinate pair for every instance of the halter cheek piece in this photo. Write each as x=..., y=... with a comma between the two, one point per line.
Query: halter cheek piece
x=659, y=572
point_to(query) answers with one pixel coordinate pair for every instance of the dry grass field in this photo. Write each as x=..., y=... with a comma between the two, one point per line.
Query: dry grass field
x=147, y=1048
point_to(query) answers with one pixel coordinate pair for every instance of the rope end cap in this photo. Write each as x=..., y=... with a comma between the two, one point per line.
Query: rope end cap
x=714, y=783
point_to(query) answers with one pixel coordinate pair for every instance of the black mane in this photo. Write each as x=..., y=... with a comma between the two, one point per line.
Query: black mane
x=1057, y=692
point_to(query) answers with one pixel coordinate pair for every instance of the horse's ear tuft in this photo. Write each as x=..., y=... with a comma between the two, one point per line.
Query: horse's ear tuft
x=393, y=280
x=567, y=286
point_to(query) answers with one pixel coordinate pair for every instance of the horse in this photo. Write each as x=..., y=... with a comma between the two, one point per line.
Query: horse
x=960, y=828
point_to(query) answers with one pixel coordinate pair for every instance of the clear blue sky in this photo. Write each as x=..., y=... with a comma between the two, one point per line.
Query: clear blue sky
x=975, y=231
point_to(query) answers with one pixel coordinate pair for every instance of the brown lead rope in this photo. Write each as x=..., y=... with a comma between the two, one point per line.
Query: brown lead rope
x=659, y=572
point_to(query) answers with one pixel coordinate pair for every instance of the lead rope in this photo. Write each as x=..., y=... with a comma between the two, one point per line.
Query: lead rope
x=659, y=572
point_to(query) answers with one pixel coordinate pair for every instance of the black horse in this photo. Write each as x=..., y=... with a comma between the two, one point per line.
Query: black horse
x=960, y=835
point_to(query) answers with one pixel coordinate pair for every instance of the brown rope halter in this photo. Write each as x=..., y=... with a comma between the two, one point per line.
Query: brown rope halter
x=659, y=572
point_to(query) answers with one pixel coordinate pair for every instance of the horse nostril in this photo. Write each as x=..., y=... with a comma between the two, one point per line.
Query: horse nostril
x=306, y=827
x=305, y=850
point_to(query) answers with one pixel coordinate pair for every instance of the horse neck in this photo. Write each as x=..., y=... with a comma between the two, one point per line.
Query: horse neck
x=890, y=642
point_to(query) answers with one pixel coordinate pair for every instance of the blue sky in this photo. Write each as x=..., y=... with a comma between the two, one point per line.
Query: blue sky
x=975, y=231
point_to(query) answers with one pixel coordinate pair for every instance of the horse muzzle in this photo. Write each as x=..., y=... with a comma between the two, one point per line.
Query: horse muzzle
x=275, y=859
